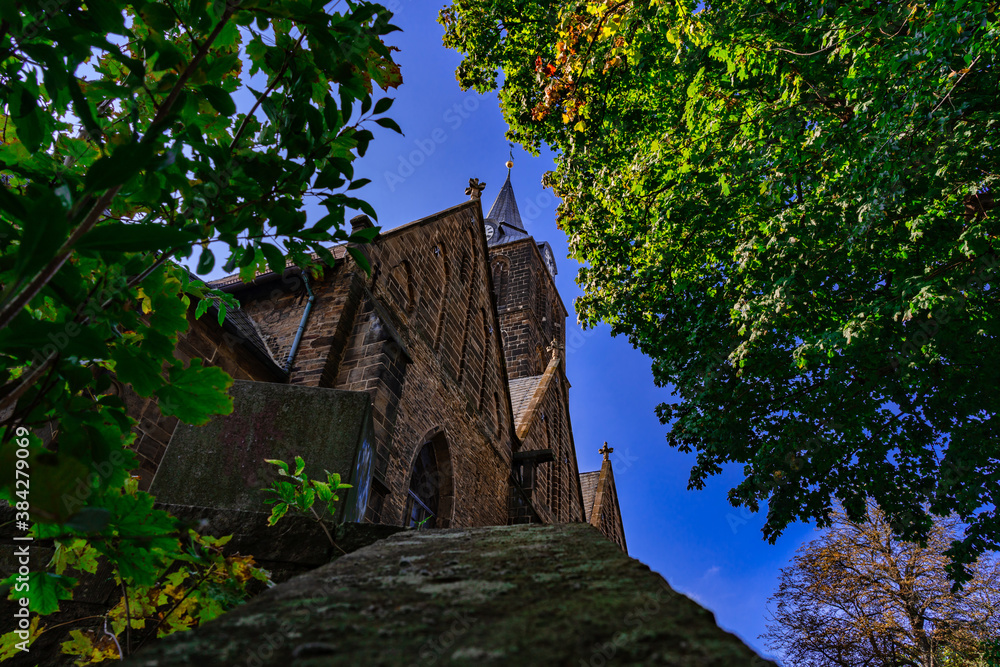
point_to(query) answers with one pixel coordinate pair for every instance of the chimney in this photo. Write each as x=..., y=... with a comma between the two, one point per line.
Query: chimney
x=360, y=222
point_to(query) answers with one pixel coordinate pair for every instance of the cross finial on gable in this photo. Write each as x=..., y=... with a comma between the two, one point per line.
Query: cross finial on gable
x=605, y=450
x=475, y=189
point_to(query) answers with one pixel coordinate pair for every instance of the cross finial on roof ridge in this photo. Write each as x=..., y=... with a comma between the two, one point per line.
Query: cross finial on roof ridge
x=605, y=450
x=475, y=189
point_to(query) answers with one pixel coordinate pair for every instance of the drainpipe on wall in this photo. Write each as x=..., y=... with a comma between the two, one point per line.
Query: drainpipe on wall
x=302, y=324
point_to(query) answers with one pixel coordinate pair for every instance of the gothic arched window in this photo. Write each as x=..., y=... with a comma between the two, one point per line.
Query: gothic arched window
x=501, y=271
x=424, y=495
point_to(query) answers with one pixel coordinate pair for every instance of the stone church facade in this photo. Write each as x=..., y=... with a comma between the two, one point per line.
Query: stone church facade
x=457, y=336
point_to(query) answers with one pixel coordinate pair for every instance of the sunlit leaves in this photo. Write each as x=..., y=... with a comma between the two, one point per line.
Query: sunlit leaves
x=195, y=393
x=301, y=493
x=128, y=145
x=858, y=592
x=789, y=207
x=43, y=590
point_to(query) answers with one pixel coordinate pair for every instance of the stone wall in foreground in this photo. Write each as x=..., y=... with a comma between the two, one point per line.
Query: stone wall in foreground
x=509, y=595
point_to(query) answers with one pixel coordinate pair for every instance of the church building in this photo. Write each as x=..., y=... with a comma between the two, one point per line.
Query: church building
x=455, y=341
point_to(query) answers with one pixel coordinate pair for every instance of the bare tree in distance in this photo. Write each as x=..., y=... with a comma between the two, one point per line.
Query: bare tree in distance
x=858, y=596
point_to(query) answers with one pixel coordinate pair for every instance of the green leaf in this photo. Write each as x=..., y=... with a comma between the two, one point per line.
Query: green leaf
x=196, y=393
x=206, y=262
x=249, y=254
x=134, y=367
x=367, y=208
x=134, y=237
x=390, y=124
x=325, y=255
x=43, y=590
x=11, y=205
x=330, y=178
x=277, y=512
x=168, y=56
x=300, y=465
x=75, y=554
x=27, y=117
x=383, y=105
x=361, y=260
x=45, y=231
x=279, y=463
x=127, y=161
x=366, y=235
x=66, y=338
x=306, y=498
x=323, y=491
x=275, y=258
x=222, y=66
x=219, y=99
x=157, y=16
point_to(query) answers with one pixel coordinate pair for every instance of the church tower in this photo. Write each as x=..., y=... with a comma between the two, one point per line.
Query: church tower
x=531, y=313
x=532, y=320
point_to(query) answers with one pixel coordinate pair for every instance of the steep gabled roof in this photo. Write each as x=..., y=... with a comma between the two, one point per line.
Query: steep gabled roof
x=521, y=392
x=505, y=217
x=504, y=207
x=588, y=488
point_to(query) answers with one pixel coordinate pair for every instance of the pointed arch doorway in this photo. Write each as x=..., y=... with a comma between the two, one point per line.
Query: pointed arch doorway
x=430, y=494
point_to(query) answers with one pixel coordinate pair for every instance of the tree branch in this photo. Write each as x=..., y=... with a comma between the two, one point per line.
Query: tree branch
x=267, y=91
x=11, y=309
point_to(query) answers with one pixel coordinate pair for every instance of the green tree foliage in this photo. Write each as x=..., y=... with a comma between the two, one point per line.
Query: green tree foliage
x=121, y=150
x=858, y=596
x=788, y=205
x=170, y=578
x=302, y=494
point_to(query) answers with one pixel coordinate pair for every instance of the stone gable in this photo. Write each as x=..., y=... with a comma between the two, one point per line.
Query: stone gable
x=450, y=337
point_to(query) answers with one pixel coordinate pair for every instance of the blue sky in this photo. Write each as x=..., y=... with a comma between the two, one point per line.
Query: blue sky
x=703, y=547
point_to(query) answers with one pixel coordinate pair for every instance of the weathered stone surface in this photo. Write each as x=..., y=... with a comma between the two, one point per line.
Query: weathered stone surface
x=513, y=595
x=221, y=464
x=294, y=545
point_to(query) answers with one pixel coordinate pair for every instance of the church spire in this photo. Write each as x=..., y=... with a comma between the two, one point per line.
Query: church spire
x=504, y=209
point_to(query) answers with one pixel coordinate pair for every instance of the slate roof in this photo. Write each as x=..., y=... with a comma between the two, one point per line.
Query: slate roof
x=240, y=325
x=338, y=252
x=504, y=208
x=248, y=330
x=521, y=391
x=588, y=487
x=506, y=216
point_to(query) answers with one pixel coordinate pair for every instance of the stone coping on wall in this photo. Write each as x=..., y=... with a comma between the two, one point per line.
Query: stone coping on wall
x=508, y=595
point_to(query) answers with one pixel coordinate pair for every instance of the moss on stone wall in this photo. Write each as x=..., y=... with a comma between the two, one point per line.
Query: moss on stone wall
x=514, y=595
